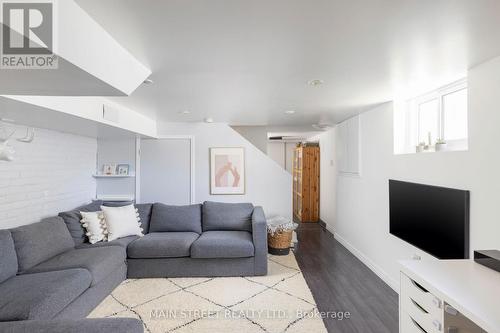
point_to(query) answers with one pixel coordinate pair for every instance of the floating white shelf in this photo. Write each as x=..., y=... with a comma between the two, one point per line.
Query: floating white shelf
x=113, y=197
x=113, y=176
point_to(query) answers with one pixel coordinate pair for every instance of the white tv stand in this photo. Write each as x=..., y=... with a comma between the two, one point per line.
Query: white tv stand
x=448, y=296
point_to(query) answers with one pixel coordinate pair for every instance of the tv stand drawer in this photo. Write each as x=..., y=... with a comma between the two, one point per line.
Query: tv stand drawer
x=425, y=310
x=425, y=299
x=410, y=325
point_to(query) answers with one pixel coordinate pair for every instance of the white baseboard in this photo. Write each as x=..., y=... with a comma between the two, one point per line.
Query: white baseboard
x=365, y=260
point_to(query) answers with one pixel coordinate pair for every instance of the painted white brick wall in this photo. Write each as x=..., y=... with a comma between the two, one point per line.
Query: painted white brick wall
x=49, y=175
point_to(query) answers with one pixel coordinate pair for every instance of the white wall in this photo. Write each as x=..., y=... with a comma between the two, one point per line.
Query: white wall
x=165, y=162
x=257, y=135
x=267, y=184
x=328, y=177
x=50, y=175
x=289, y=152
x=362, y=219
x=276, y=151
x=282, y=153
x=117, y=151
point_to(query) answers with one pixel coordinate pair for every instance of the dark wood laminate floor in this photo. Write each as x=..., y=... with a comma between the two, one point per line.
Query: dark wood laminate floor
x=340, y=282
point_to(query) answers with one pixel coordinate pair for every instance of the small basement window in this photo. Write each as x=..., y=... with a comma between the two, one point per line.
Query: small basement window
x=436, y=121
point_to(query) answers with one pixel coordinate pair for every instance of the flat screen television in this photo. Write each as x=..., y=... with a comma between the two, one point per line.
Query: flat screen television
x=434, y=219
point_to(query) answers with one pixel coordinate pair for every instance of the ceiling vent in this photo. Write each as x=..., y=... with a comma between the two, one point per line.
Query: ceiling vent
x=110, y=114
x=286, y=138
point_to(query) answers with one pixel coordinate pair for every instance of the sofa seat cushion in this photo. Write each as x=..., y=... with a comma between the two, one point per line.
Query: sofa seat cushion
x=99, y=261
x=8, y=256
x=227, y=216
x=38, y=242
x=122, y=242
x=162, y=245
x=223, y=244
x=41, y=295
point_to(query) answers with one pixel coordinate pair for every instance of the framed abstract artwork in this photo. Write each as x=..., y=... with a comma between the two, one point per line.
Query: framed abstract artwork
x=227, y=171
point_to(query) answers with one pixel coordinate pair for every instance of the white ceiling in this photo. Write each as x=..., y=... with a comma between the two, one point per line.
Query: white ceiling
x=246, y=62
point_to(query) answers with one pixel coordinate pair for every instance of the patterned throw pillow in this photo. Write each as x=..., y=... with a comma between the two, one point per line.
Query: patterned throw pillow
x=94, y=224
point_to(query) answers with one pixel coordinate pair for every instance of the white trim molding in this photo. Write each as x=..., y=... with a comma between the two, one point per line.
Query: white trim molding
x=367, y=261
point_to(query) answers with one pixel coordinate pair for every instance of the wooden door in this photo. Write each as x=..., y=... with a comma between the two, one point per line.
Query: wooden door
x=306, y=184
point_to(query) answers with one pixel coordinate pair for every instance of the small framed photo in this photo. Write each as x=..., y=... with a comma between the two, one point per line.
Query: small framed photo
x=123, y=169
x=109, y=169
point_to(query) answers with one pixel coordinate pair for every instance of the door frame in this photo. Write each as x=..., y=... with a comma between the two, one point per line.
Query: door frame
x=192, y=170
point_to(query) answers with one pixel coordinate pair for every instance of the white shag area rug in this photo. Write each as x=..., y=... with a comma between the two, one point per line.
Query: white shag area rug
x=276, y=303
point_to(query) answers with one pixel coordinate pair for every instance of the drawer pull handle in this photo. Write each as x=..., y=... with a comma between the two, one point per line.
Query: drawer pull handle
x=418, y=326
x=418, y=306
x=437, y=302
x=419, y=286
x=437, y=325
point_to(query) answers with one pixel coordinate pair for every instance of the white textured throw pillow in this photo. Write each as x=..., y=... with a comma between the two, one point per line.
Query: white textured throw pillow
x=94, y=223
x=122, y=222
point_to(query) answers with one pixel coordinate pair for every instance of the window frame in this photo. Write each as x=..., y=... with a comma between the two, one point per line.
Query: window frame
x=439, y=95
x=439, y=113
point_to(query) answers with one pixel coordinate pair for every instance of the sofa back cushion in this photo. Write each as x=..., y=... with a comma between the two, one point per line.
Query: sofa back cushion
x=166, y=218
x=72, y=219
x=227, y=216
x=38, y=242
x=8, y=256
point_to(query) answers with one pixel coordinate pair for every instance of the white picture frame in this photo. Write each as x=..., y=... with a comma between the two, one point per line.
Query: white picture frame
x=227, y=171
x=123, y=169
x=109, y=169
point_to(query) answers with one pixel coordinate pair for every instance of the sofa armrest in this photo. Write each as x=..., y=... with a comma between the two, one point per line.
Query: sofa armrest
x=259, y=234
x=259, y=228
x=122, y=325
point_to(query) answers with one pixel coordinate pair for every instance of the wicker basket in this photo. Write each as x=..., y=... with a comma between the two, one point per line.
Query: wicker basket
x=279, y=242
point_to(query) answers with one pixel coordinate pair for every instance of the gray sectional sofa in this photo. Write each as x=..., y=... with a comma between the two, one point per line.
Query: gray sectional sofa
x=50, y=276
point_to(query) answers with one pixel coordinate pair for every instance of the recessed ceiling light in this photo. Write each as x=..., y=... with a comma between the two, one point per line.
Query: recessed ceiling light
x=209, y=120
x=290, y=112
x=322, y=126
x=185, y=112
x=148, y=81
x=315, y=82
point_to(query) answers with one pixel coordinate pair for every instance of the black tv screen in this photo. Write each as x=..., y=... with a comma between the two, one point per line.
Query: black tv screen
x=434, y=219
